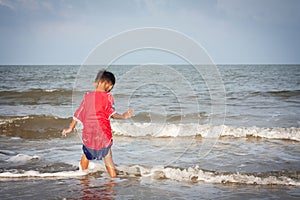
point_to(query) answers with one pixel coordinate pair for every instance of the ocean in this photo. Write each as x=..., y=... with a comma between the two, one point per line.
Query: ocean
x=234, y=134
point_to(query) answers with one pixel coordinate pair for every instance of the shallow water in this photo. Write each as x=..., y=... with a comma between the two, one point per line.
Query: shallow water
x=169, y=150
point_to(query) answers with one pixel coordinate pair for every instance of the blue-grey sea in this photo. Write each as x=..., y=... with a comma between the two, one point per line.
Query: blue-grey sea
x=228, y=133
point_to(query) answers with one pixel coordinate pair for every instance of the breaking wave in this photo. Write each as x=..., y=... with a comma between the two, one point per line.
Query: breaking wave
x=191, y=174
x=47, y=127
x=206, y=131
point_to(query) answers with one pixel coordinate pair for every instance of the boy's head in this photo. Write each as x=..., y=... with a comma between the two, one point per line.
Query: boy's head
x=104, y=75
x=105, y=80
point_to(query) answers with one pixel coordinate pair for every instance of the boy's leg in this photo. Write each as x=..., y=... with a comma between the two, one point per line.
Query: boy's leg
x=84, y=162
x=109, y=164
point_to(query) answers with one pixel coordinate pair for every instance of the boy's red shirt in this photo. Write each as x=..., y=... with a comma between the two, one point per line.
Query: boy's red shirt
x=94, y=113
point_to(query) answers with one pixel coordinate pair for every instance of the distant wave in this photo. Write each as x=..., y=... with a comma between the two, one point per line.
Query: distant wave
x=155, y=117
x=47, y=127
x=280, y=93
x=36, y=97
x=191, y=174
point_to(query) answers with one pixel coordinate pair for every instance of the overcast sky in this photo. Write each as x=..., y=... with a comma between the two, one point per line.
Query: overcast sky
x=231, y=31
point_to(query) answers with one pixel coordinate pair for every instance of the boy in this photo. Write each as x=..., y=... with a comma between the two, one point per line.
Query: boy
x=94, y=112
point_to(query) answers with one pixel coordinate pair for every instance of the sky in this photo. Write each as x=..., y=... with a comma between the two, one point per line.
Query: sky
x=231, y=31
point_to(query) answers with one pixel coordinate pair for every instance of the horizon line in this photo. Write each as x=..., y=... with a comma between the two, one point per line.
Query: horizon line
x=129, y=64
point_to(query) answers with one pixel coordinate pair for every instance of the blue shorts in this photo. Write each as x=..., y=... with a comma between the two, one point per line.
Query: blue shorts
x=92, y=154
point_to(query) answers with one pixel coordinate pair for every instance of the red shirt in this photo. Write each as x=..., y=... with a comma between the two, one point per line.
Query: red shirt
x=94, y=113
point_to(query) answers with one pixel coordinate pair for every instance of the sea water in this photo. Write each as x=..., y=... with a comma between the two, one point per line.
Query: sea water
x=170, y=149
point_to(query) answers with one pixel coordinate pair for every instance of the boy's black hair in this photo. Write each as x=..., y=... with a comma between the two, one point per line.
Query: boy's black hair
x=104, y=75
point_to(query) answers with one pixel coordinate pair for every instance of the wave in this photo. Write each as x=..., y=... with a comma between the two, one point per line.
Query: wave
x=279, y=94
x=48, y=127
x=15, y=165
x=36, y=97
x=205, y=131
x=155, y=117
x=33, y=127
x=200, y=175
x=191, y=174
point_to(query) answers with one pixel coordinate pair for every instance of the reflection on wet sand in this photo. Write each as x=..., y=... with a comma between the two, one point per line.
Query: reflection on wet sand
x=93, y=189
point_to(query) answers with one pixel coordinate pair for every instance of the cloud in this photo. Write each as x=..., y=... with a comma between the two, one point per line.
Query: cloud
x=68, y=29
x=274, y=12
x=26, y=5
x=7, y=4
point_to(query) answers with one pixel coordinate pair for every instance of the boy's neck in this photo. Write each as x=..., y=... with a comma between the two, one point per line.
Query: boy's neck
x=99, y=90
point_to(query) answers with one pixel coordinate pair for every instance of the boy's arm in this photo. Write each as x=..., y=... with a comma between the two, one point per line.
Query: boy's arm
x=70, y=129
x=126, y=115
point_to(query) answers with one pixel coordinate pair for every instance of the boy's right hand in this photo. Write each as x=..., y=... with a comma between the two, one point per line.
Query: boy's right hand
x=66, y=131
x=70, y=129
x=128, y=114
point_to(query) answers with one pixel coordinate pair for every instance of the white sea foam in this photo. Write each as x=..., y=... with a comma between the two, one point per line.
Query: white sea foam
x=206, y=131
x=190, y=174
x=198, y=175
x=7, y=152
x=51, y=90
x=194, y=174
x=270, y=133
x=22, y=158
x=63, y=174
x=36, y=174
x=15, y=138
x=10, y=120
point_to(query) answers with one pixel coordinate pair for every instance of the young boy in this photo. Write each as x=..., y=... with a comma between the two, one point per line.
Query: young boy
x=94, y=112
